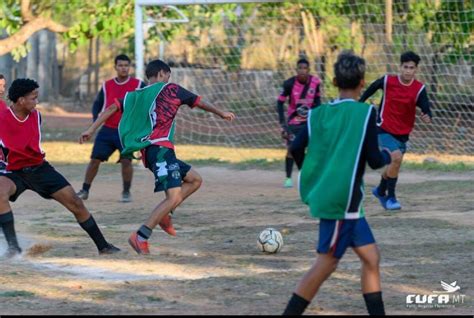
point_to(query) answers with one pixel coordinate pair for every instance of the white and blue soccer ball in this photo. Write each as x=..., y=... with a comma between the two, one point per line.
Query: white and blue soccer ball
x=270, y=241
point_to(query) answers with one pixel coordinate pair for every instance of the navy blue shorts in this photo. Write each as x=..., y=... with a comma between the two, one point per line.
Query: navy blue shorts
x=42, y=179
x=169, y=171
x=392, y=143
x=335, y=236
x=106, y=142
x=293, y=131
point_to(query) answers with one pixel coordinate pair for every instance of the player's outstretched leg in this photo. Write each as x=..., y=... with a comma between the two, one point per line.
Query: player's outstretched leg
x=191, y=183
x=370, y=278
x=309, y=285
x=73, y=203
x=7, y=189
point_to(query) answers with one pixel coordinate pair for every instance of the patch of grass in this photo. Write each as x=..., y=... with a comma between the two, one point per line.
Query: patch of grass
x=17, y=293
x=438, y=166
x=153, y=298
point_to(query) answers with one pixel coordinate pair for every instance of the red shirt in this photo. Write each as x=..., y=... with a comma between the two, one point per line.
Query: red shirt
x=20, y=140
x=3, y=105
x=398, y=108
x=115, y=90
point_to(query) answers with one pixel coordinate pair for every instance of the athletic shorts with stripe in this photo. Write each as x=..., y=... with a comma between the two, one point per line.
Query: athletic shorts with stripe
x=169, y=171
x=335, y=236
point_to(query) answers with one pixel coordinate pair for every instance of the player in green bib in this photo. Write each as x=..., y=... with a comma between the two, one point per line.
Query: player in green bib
x=341, y=139
x=147, y=125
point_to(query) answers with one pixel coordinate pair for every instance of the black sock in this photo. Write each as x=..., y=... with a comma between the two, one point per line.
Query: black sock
x=289, y=166
x=126, y=186
x=8, y=226
x=94, y=232
x=382, y=186
x=296, y=306
x=86, y=187
x=374, y=303
x=144, y=232
x=391, y=183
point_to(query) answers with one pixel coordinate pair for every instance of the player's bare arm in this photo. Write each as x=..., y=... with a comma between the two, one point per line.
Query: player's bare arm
x=229, y=116
x=109, y=111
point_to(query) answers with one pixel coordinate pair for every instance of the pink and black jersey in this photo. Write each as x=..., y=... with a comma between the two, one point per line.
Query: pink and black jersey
x=166, y=107
x=167, y=104
x=397, y=109
x=20, y=140
x=113, y=90
x=3, y=105
x=303, y=97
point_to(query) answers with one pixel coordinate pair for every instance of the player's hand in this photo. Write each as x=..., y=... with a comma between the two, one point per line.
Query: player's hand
x=425, y=118
x=229, y=116
x=85, y=136
x=396, y=155
x=284, y=133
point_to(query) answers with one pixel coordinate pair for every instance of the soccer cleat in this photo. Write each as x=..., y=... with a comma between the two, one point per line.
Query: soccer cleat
x=288, y=183
x=126, y=197
x=167, y=225
x=83, y=194
x=109, y=250
x=12, y=252
x=382, y=199
x=392, y=204
x=141, y=247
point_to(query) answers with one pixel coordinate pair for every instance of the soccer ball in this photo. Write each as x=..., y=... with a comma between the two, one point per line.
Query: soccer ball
x=270, y=241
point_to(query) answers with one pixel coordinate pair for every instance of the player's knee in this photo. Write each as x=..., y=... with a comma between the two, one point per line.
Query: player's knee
x=397, y=162
x=373, y=262
x=175, y=199
x=197, y=181
x=76, y=204
x=5, y=190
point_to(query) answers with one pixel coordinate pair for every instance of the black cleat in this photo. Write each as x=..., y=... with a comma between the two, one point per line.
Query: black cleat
x=109, y=250
x=12, y=252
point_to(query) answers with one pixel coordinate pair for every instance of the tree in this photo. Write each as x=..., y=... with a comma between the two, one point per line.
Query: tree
x=76, y=20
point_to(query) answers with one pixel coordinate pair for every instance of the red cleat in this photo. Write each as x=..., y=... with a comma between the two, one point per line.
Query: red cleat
x=141, y=247
x=167, y=225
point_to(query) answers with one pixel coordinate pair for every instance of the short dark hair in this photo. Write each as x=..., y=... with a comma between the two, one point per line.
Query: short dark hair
x=349, y=70
x=122, y=57
x=410, y=56
x=302, y=61
x=155, y=66
x=20, y=88
x=1, y=76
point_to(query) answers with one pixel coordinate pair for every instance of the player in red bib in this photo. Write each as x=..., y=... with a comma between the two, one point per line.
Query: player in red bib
x=402, y=93
x=3, y=84
x=107, y=140
x=23, y=167
x=304, y=93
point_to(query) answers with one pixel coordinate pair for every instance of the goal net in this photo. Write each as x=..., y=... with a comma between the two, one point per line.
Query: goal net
x=237, y=56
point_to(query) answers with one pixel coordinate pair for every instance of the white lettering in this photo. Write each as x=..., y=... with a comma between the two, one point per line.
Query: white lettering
x=410, y=299
x=443, y=299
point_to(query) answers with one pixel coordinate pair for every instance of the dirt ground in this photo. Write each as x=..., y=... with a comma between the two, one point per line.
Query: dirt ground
x=213, y=265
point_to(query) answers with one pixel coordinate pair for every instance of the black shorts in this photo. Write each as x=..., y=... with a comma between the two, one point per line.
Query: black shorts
x=106, y=142
x=293, y=131
x=169, y=171
x=42, y=179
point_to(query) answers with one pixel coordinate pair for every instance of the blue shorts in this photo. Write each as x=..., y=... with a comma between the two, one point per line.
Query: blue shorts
x=392, y=143
x=106, y=142
x=335, y=236
x=169, y=172
x=293, y=131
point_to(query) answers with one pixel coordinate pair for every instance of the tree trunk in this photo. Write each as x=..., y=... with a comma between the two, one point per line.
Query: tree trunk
x=44, y=65
x=54, y=65
x=96, y=66
x=32, y=58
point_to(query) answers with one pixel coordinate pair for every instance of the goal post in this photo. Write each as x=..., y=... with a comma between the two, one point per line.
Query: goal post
x=237, y=54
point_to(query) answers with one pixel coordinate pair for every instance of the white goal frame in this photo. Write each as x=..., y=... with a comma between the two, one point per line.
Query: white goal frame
x=140, y=4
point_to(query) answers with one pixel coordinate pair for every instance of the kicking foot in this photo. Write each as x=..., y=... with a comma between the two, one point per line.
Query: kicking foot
x=141, y=247
x=167, y=225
